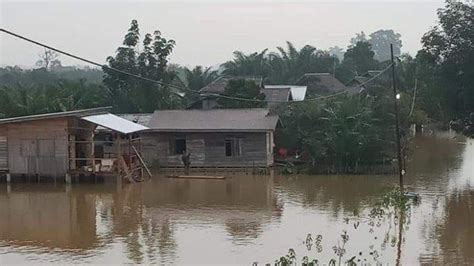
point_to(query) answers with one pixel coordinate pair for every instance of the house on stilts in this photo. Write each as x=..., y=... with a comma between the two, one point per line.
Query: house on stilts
x=81, y=143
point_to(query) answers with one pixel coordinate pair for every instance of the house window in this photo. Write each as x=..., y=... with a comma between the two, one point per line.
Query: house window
x=233, y=147
x=178, y=146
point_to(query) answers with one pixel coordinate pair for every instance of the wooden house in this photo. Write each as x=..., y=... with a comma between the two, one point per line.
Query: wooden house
x=71, y=144
x=321, y=84
x=208, y=100
x=236, y=138
x=277, y=94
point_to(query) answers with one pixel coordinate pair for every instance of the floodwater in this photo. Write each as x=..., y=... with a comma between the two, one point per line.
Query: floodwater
x=247, y=219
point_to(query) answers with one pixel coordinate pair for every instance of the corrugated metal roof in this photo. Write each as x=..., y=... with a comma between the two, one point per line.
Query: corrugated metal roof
x=142, y=119
x=75, y=113
x=322, y=81
x=298, y=93
x=215, y=120
x=115, y=123
x=275, y=95
x=219, y=84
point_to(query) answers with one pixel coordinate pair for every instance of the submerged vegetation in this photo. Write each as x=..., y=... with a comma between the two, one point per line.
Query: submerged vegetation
x=393, y=210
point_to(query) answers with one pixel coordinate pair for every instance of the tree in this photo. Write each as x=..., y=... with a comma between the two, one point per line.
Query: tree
x=360, y=37
x=336, y=51
x=448, y=49
x=242, y=88
x=290, y=64
x=198, y=77
x=381, y=40
x=287, y=65
x=360, y=58
x=130, y=94
x=254, y=64
x=48, y=59
x=345, y=131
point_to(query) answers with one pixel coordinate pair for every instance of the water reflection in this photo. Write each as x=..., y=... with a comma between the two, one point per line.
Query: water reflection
x=245, y=218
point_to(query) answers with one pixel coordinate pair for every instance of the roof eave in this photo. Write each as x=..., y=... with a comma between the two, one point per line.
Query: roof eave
x=207, y=130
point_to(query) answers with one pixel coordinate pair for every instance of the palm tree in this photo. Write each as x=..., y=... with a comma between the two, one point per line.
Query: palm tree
x=254, y=64
x=199, y=77
x=290, y=64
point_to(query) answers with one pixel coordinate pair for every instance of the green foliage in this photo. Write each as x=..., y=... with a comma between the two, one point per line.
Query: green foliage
x=254, y=64
x=448, y=56
x=198, y=77
x=360, y=58
x=380, y=42
x=62, y=95
x=129, y=94
x=242, y=88
x=26, y=92
x=283, y=67
x=345, y=131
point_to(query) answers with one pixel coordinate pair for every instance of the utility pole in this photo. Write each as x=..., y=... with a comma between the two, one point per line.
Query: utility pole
x=396, y=98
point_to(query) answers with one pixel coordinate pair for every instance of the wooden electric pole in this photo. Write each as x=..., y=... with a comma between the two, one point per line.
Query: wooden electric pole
x=396, y=98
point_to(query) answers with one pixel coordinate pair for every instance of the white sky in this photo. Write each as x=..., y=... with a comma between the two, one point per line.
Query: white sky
x=206, y=33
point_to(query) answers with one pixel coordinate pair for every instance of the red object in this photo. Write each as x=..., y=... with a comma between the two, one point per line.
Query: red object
x=282, y=152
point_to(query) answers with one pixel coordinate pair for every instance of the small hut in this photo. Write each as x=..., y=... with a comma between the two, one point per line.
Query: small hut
x=71, y=143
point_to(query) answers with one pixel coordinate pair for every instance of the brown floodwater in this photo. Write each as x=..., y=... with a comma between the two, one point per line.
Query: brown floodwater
x=247, y=219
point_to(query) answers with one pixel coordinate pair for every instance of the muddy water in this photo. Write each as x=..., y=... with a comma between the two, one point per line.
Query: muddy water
x=246, y=219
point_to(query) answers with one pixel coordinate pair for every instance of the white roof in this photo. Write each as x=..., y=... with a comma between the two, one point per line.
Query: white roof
x=297, y=92
x=114, y=123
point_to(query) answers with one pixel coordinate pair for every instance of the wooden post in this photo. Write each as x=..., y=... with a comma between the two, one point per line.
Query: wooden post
x=92, y=153
x=119, y=155
x=397, y=122
x=131, y=166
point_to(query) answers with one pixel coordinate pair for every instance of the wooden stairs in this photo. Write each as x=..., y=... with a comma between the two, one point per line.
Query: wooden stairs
x=127, y=173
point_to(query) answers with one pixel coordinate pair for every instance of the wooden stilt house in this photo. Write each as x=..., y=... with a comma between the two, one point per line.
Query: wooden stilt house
x=71, y=143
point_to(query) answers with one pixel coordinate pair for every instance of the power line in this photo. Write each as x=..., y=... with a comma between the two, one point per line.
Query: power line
x=305, y=100
x=184, y=88
x=92, y=62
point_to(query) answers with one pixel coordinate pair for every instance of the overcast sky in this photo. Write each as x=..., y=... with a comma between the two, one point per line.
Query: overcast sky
x=206, y=33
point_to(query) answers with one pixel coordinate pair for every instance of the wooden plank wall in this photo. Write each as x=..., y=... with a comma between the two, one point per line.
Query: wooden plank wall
x=3, y=150
x=38, y=147
x=208, y=149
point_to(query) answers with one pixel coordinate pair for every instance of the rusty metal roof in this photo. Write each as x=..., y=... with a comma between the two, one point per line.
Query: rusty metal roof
x=75, y=113
x=219, y=84
x=215, y=120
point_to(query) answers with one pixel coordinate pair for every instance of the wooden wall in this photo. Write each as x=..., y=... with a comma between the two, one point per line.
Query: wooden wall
x=208, y=149
x=3, y=150
x=37, y=147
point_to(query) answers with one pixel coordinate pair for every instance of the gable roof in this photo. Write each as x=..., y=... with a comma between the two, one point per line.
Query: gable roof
x=75, y=113
x=275, y=95
x=322, y=81
x=298, y=93
x=215, y=120
x=219, y=84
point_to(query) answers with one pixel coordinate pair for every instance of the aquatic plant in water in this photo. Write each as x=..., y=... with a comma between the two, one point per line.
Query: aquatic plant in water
x=393, y=208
